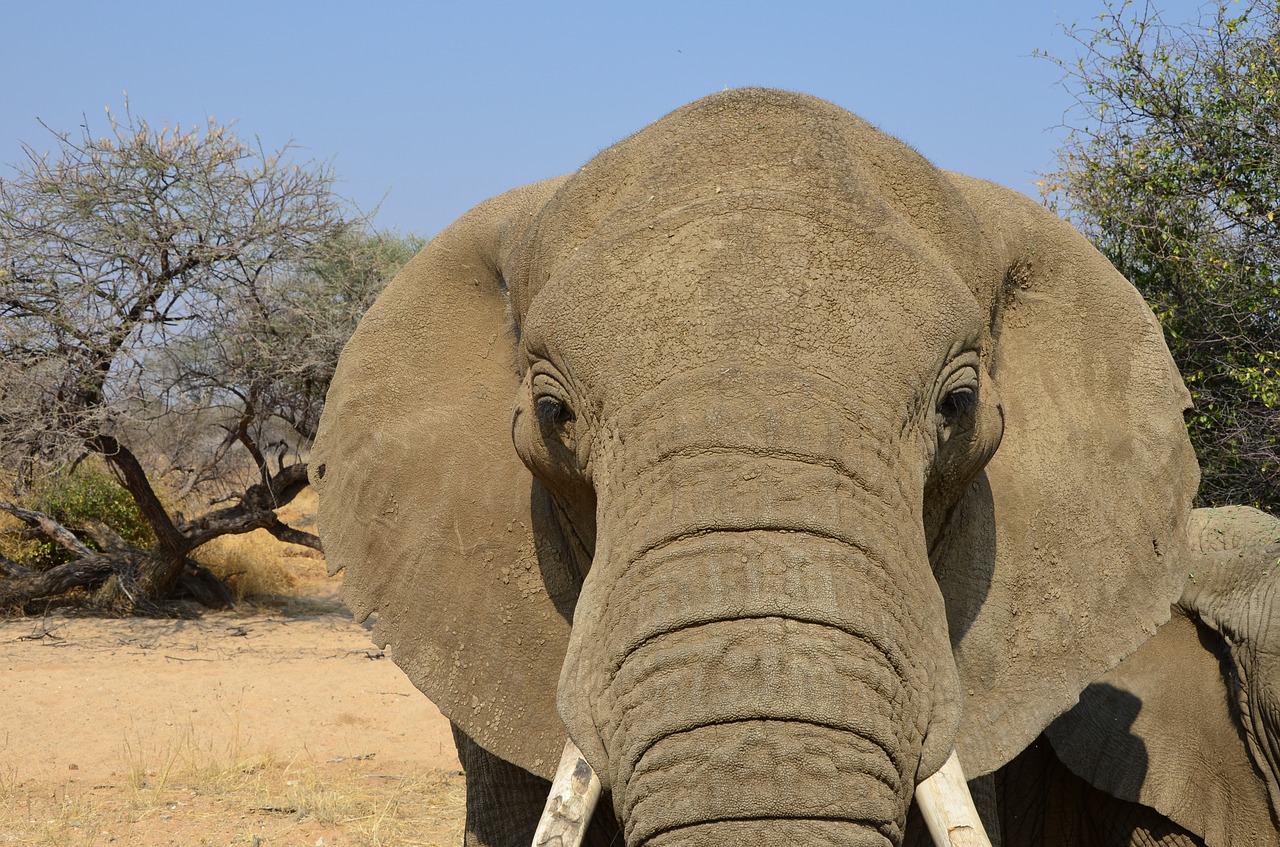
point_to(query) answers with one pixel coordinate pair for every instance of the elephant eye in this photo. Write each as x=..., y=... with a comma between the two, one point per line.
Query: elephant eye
x=958, y=402
x=552, y=411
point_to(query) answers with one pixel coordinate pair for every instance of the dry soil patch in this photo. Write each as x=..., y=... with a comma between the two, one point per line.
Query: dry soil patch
x=281, y=725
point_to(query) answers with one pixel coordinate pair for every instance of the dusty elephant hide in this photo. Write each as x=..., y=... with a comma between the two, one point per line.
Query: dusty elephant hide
x=770, y=464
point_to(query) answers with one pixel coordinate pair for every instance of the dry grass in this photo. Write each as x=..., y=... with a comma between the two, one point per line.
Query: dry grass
x=268, y=803
x=258, y=566
x=202, y=785
x=251, y=565
x=11, y=545
x=188, y=792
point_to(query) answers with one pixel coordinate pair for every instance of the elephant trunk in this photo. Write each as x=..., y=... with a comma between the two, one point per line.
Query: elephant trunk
x=760, y=653
x=821, y=747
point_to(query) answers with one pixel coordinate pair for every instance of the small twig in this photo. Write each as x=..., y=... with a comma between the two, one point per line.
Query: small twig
x=176, y=659
x=42, y=632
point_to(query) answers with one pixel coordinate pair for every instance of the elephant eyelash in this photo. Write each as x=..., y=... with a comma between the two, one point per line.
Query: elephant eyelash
x=958, y=403
x=552, y=411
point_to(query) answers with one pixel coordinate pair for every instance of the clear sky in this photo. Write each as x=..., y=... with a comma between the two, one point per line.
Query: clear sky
x=429, y=108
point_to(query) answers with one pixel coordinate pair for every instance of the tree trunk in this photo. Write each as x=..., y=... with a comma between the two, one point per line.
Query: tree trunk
x=127, y=580
x=20, y=589
x=158, y=572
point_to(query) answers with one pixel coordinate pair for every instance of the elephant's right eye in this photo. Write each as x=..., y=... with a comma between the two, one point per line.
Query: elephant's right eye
x=550, y=439
x=552, y=411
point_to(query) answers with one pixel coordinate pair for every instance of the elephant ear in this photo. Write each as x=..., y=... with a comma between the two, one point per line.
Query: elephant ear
x=1188, y=725
x=1160, y=730
x=1065, y=554
x=425, y=504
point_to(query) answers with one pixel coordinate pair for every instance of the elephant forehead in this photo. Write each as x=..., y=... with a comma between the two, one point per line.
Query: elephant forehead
x=758, y=287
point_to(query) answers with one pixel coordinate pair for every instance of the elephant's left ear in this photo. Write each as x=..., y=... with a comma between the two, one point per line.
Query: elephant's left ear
x=1065, y=554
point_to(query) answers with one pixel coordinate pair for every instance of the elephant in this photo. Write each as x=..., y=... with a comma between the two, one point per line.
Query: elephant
x=777, y=469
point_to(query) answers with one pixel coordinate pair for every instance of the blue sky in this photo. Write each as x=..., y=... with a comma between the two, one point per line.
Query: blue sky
x=429, y=108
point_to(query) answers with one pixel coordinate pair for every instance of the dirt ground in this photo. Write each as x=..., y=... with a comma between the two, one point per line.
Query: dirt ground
x=271, y=725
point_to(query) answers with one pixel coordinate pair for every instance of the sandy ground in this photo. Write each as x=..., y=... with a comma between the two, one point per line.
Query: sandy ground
x=264, y=726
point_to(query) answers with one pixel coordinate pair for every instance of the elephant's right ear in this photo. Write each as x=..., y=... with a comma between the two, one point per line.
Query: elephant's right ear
x=425, y=504
x=1065, y=554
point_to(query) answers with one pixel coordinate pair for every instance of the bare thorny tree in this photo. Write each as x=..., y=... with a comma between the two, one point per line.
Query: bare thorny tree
x=187, y=292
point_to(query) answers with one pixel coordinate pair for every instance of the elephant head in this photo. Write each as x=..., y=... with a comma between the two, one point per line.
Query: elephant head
x=765, y=460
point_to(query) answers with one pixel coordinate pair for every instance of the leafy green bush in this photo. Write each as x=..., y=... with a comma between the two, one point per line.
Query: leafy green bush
x=78, y=498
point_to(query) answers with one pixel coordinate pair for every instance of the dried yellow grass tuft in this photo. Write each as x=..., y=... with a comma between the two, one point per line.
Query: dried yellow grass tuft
x=251, y=565
x=195, y=792
x=257, y=565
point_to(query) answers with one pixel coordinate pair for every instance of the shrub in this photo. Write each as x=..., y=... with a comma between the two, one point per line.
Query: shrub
x=79, y=498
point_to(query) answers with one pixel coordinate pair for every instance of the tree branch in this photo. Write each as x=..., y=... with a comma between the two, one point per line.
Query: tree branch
x=106, y=538
x=137, y=484
x=51, y=528
x=256, y=509
x=284, y=532
x=89, y=572
x=10, y=568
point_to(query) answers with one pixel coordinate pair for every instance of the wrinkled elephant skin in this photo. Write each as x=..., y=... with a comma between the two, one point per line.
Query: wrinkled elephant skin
x=768, y=463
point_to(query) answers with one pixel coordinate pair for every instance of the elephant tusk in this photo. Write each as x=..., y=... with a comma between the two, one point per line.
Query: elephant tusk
x=943, y=798
x=574, y=792
x=948, y=810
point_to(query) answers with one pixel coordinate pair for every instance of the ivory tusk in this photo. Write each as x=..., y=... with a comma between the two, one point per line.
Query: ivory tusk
x=947, y=808
x=574, y=792
x=943, y=798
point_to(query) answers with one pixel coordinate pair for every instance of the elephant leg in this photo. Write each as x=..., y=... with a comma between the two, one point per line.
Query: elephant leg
x=504, y=802
x=1042, y=803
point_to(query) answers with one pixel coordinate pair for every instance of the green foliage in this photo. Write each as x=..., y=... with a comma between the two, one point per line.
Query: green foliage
x=78, y=498
x=1173, y=170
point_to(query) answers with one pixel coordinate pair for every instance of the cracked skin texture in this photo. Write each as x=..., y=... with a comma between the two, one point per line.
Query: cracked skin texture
x=747, y=321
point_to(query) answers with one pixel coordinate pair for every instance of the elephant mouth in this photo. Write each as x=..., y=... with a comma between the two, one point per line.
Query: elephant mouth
x=944, y=800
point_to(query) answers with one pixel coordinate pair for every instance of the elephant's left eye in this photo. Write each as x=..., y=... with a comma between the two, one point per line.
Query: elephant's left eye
x=958, y=402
